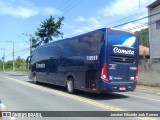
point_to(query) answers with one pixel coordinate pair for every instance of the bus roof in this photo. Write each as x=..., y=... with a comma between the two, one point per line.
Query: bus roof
x=101, y=29
x=50, y=43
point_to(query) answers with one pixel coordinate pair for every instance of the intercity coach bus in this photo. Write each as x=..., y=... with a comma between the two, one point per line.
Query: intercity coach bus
x=101, y=61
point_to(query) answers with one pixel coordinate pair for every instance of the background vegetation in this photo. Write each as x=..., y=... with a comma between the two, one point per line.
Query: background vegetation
x=143, y=37
x=20, y=65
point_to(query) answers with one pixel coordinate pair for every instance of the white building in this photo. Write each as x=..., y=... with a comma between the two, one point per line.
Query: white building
x=154, y=29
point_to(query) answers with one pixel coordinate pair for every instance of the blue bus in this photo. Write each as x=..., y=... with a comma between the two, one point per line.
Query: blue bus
x=101, y=61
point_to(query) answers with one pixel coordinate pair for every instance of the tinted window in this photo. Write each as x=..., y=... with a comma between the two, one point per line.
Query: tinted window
x=89, y=44
x=83, y=45
x=122, y=38
x=34, y=56
x=78, y=46
x=158, y=24
x=51, y=51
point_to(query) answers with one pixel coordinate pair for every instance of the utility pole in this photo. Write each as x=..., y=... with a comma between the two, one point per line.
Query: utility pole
x=3, y=56
x=30, y=45
x=139, y=3
x=30, y=41
x=13, y=54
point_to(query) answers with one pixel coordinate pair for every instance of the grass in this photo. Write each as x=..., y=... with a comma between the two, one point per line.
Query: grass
x=25, y=72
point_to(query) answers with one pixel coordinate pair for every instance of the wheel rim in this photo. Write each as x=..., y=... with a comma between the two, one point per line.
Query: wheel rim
x=70, y=86
x=34, y=80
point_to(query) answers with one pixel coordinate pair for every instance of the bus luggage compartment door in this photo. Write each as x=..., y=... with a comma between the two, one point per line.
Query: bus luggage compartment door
x=90, y=78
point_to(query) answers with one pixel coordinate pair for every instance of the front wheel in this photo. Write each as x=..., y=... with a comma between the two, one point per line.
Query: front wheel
x=70, y=85
x=35, y=79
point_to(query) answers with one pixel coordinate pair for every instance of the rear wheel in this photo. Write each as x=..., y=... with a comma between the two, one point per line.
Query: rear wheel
x=70, y=85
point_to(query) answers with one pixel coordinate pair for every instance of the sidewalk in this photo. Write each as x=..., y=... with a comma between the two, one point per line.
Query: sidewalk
x=148, y=89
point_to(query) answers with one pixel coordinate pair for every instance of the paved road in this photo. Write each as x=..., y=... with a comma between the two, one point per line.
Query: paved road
x=17, y=93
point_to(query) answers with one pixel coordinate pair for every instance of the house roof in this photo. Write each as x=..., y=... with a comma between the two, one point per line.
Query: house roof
x=154, y=4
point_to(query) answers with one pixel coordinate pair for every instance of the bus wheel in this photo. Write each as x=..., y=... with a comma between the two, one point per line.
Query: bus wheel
x=70, y=85
x=35, y=79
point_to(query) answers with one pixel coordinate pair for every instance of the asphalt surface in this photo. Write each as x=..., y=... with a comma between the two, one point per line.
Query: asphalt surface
x=18, y=93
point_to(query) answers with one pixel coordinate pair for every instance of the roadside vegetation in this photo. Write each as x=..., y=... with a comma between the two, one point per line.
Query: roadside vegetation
x=20, y=65
x=143, y=37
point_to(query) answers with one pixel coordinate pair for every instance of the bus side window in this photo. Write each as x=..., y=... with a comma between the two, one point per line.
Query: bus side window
x=88, y=44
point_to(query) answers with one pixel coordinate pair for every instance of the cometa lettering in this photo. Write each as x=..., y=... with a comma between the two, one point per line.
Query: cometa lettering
x=40, y=65
x=122, y=51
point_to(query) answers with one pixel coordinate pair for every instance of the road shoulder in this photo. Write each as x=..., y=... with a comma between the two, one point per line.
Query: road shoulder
x=148, y=89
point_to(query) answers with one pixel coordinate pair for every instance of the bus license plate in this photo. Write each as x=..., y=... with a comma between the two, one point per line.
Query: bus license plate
x=122, y=88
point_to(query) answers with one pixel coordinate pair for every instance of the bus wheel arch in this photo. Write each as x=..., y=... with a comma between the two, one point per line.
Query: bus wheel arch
x=70, y=85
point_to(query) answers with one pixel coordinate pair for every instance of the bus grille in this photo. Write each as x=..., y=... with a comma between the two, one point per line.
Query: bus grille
x=122, y=59
x=90, y=78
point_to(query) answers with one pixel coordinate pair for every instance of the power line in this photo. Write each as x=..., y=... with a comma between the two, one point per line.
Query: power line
x=63, y=9
x=127, y=18
x=136, y=20
x=19, y=51
x=64, y=3
x=73, y=4
x=22, y=54
x=131, y=7
x=66, y=9
x=101, y=20
x=69, y=8
x=141, y=26
x=16, y=52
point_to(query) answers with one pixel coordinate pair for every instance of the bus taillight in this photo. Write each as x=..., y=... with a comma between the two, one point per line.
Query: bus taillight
x=109, y=28
x=136, y=73
x=136, y=77
x=104, y=72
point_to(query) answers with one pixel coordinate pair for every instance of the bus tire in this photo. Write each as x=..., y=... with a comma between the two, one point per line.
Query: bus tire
x=35, y=79
x=70, y=85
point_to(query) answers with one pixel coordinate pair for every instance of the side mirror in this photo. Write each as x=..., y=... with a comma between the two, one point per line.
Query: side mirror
x=28, y=60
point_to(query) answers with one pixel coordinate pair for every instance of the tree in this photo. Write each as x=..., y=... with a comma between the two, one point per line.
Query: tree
x=9, y=64
x=1, y=63
x=19, y=62
x=48, y=29
x=143, y=37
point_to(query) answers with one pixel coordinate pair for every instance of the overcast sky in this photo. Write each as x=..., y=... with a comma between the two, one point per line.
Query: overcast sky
x=24, y=16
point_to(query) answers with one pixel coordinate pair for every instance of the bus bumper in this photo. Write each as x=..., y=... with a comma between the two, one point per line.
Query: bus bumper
x=118, y=87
